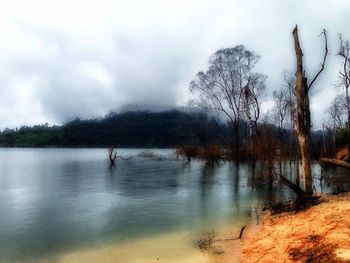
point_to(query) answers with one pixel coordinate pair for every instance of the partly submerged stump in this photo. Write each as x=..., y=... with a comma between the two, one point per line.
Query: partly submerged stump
x=112, y=153
x=112, y=156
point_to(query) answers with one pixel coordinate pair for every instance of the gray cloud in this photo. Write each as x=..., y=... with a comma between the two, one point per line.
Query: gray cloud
x=59, y=59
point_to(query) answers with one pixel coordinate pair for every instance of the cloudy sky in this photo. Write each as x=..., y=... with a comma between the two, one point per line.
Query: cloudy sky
x=67, y=58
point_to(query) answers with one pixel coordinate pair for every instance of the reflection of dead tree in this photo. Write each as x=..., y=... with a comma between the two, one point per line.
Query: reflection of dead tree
x=210, y=238
x=113, y=156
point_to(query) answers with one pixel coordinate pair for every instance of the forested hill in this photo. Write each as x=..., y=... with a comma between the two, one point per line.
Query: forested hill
x=129, y=129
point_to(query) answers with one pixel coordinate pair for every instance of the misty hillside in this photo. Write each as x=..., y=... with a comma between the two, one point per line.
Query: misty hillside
x=129, y=129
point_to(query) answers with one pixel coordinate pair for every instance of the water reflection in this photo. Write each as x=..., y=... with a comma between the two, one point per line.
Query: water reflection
x=333, y=179
x=54, y=200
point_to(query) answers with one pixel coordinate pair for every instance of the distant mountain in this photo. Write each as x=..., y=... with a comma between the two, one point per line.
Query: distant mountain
x=127, y=129
x=138, y=129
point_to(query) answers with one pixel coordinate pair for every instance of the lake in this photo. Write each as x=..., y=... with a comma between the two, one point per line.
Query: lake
x=58, y=201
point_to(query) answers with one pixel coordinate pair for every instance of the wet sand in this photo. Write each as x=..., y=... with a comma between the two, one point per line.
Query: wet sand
x=174, y=247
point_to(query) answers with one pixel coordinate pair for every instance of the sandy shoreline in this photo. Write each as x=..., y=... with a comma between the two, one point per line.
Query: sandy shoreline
x=178, y=246
x=318, y=234
x=173, y=247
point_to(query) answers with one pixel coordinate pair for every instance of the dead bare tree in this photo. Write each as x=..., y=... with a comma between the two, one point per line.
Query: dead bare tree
x=252, y=99
x=344, y=77
x=289, y=85
x=112, y=154
x=280, y=110
x=222, y=87
x=336, y=113
x=280, y=114
x=303, y=120
x=284, y=114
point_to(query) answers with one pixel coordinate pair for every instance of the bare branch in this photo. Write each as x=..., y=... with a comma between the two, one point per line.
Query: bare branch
x=324, y=34
x=224, y=85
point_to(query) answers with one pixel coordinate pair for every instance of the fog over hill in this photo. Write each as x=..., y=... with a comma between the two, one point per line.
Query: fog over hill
x=107, y=54
x=139, y=129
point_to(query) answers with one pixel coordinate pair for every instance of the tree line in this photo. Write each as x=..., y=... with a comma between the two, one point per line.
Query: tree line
x=139, y=129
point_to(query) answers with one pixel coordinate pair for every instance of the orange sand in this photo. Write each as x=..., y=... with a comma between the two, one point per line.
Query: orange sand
x=318, y=234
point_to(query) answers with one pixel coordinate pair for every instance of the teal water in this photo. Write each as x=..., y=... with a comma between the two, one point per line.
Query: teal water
x=55, y=200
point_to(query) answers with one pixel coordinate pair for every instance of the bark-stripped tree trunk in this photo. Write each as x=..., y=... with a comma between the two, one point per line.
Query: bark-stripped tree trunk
x=303, y=116
x=303, y=121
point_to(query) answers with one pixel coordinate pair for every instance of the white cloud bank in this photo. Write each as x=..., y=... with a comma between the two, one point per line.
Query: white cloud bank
x=62, y=59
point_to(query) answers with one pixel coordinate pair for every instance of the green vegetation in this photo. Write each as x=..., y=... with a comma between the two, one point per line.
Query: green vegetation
x=36, y=136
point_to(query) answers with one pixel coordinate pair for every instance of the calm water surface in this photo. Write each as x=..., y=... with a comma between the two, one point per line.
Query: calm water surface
x=55, y=200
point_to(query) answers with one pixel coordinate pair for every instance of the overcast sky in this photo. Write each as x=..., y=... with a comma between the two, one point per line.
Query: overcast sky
x=68, y=58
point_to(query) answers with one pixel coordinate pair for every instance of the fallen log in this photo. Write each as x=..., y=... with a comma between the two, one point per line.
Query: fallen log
x=336, y=162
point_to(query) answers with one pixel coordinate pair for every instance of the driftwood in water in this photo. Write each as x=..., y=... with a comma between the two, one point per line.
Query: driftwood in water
x=336, y=162
x=295, y=188
x=292, y=186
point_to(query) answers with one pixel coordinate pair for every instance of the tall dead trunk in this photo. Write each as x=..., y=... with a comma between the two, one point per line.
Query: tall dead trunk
x=348, y=133
x=303, y=116
x=303, y=121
